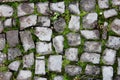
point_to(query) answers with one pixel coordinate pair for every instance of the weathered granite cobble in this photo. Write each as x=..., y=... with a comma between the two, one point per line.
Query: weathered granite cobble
x=59, y=40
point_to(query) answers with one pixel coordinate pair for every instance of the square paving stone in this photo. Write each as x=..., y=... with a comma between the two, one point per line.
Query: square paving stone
x=43, y=48
x=2, y=41
x=25, y=9
x=27, y=41
x=12, y=38
x=55, y=63
x=44, y=34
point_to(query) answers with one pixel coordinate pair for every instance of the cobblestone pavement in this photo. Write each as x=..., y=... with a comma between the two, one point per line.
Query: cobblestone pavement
x=62, y=40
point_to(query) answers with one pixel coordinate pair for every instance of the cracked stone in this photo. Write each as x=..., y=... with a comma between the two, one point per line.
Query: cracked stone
x=12, y=38
x=2, y=41
x=109, y=56
x=90, y=20
x=58, y=7
x=58, y=43
x=59, y=25
x=74, y=24
x=55, y=63
x=103, y=4
x=8, y=22
x=90, y=57
x=27, y=41
x=107, y=72
x=44, y=34
x=90, y=34
x=28, y=60
x=25, y=9
x=71, y=54
x=92, y=46
x=6, y=11
x=14, y=65
x=58, y=78
x=13, y=53
x=73, y=70
x=43, y=8
x=27, y=21
x=110, y=13
x=113, y=42
x=73, y=39
x=43, y=48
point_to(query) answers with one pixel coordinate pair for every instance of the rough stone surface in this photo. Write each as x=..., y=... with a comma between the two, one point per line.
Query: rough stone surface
x=43, y=8
x=27, y=21
x=6, y=11
x=113, y=42
x=88, y=5
x=58, y=43
x=109, y=56
x=28, y=60
x=3, y=57
x=2, y=41
x=92, y=46
x=92, y=70
x=24, y=75
x=71, y=54
x=43, y=21
x=8, y=22
x=74, y=39
x=14, y=65
x=107, y=72
x=27, y=41
x=40, y=78
x=90, y=57
x=43, y=48
x=90, y=20
x=74, y=8
x=12, y=38
x=44, y=34
x=58, y=7
x=1, y=27
x=59, y=25
x=110, y=13
x=115, y=26
x=13, y=53
x=58, y=78
x=74, y=24
x=118, y=68
x=5, y=75
x=115, y=2
x=55, y=63
x=73, y=70
x=103, y=4
x=90, y=34
x=25, y=9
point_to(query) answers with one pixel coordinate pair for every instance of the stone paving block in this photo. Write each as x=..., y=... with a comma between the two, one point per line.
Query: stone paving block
x=118, y=67
x=1, y=26
x=58, y=77
x=103, y=4
x=58, y=43
x=2, y=41
x=27, y=21
x=25, y=9
x=59, y=25
x=6, y=11
x=43, y=21
x=90, y=57
x=6, y=75
x=58, y=7
x=55, y=63
x=3, y=57
x=90, y=34
x=92, y=46
x=12, y=38
x=43, y=8
x=74, y=8
x=44, y=34
x=28, y=60
x=71, y=54
x=107, y=72
x=8, y=22
x=110, y=13
x=109, y=56
x=43, y=48
x=90, y=20
x=12, y=0
x=113, y=42
x=116, y=2
x=24, y=75
x=74, y=39
x=14, y=65
x=39, y=78
x=73, y=70
x=88, y=5
x=27, y=41
x=74, y=24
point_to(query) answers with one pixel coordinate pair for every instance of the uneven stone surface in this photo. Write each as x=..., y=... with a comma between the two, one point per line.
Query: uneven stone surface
x=115, y=2
x=43, y=21
x=14, y=65
x=1, y=27
x=8, y=22
x=103, y=4
x=118, y=68
x=5, y=75
x=3, y=57
x=110, y=13
x=2, y=41
x=58, y=78
x=40, y=78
